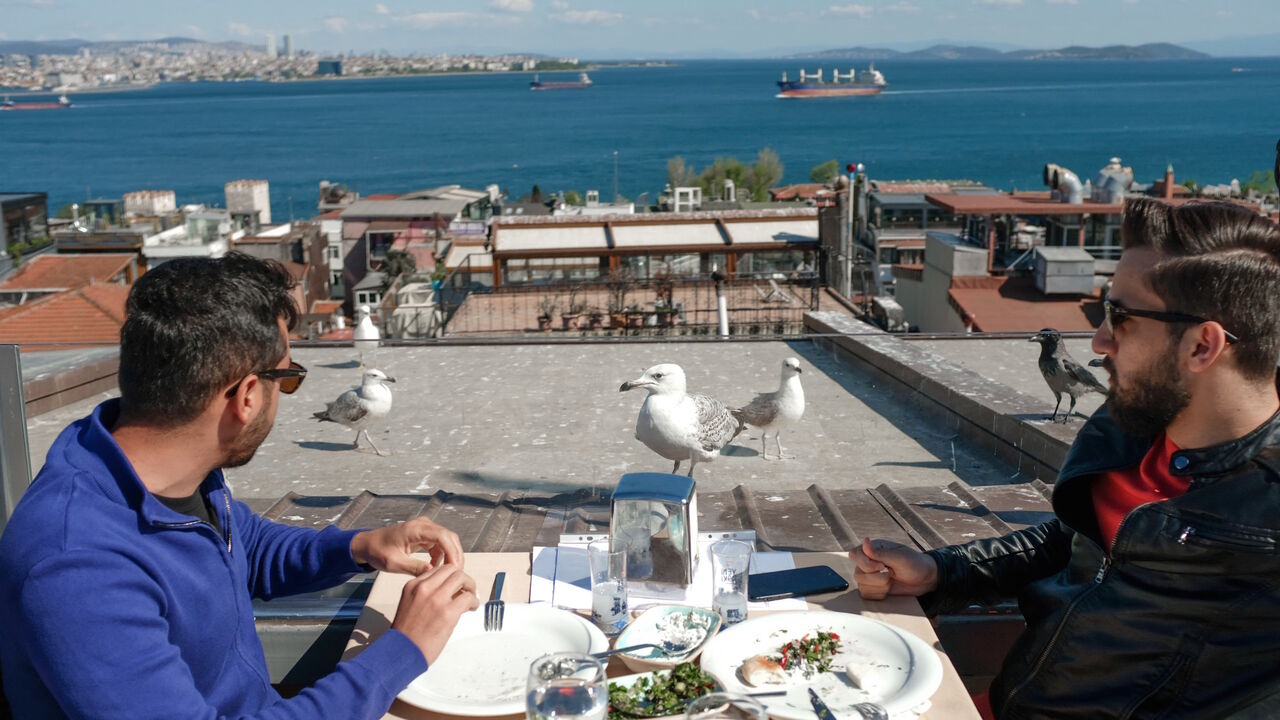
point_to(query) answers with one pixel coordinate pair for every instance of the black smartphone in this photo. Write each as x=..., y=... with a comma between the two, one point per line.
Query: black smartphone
x=794, y=583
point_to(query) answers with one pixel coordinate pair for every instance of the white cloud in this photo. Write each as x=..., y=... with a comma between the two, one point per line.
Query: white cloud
x=859, y=10
x=589, y=17
x=753, y=13
x=1002, y=3
x=337, y=24
x=1063, y=2
x=195, y=31
x=381, y=9
x=902, y=7
x=436, y=19
x=242, y=30
x=559, y=4
x=523, y=6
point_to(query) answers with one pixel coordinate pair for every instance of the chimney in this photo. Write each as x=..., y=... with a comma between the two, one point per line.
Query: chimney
x=1168, y=182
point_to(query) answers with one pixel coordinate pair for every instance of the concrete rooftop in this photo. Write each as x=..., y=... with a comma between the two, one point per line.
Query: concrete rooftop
x=483, y=419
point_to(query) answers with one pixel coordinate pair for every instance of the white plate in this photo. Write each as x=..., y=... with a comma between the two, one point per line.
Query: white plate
x=904, y=670
x=483, y=674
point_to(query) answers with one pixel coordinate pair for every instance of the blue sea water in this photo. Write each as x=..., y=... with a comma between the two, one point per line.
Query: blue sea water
x=996, y=122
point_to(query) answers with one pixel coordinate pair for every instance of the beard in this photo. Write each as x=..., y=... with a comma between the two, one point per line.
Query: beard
x=249, y=441
x=1155, y=396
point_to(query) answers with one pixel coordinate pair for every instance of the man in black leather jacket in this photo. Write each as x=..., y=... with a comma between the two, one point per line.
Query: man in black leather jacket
x=1155, y=591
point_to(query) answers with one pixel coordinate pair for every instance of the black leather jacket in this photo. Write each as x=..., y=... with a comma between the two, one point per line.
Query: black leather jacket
x=1181, y=620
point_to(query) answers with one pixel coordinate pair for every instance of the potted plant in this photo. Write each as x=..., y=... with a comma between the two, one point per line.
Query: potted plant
x=635, y=316
x=546, y=308
x=571, y=318
x=619, y=284
x=595, y=318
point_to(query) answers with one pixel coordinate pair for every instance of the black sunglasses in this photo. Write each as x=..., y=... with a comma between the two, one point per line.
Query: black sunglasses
x=290, y=378
x=1114, y=315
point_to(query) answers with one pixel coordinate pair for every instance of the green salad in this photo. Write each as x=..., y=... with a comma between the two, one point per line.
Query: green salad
x=659, y=694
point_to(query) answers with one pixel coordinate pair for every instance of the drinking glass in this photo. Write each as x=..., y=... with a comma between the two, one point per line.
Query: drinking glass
x=725, y=705
x=567, y=686
x=608, y=587
x=730, y=560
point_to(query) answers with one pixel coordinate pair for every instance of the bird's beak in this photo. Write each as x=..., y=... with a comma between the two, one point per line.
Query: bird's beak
x=390, y=379
x=625, y=386
x=633, y=384
x=1096, y=362
x=799, y=370
x=1035, y=338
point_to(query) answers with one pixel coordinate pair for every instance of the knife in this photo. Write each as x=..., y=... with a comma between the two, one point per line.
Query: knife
x=496, y=594
x=824, y=712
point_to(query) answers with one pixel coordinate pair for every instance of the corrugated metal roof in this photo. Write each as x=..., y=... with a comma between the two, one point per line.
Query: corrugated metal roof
x=818, y=519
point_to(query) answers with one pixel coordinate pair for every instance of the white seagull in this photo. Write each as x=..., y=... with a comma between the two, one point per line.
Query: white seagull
x=677, y=425
x=358, y=407
x=776, y=410
x=366, y=335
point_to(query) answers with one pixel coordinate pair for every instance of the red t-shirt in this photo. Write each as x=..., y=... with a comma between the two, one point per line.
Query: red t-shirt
x=1117, y=492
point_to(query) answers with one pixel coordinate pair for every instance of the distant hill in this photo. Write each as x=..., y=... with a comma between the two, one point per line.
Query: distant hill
x=72, y=46
x=1151, y=51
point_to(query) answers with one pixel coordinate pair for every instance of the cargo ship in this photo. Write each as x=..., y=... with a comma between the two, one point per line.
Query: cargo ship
x=61, y=103
x=810, y=85
x=581, y=83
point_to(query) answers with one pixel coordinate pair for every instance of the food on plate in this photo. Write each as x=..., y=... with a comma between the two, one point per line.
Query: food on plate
x=760, y=670
x=805, y=656
x=659, y=694
x=680, y=632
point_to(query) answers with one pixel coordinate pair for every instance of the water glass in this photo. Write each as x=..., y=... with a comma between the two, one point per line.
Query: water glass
x=725, y=705
x=567, y=686
x=608, y=587
x=730, y=560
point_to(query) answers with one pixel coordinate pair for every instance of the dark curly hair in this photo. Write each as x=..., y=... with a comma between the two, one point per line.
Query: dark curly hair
x=193, y=326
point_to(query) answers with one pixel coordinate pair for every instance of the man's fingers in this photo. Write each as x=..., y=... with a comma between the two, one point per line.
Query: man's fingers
x=864, y=560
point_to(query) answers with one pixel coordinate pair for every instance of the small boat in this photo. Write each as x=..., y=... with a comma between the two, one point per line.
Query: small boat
x=581, y=83
x=811, y=85
x=62, y=103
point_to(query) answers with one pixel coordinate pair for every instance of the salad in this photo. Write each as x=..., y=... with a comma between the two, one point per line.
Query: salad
x=659, y=694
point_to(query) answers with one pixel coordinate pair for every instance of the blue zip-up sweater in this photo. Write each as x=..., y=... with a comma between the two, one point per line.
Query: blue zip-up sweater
x=112, y=605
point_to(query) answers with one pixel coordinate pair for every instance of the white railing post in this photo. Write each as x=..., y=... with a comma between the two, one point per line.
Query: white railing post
x=15, y=458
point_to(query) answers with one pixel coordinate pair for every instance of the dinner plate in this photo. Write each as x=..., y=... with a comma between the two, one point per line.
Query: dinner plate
x=483, y=674
x=898, y=670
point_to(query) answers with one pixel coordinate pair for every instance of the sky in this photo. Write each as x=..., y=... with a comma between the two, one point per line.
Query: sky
x=608, y=29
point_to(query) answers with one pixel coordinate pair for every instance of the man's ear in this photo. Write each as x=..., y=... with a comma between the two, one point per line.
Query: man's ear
x=1204, y=345
x=246, y=401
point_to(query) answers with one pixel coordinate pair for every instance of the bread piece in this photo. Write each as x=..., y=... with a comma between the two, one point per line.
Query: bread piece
x=760, y=670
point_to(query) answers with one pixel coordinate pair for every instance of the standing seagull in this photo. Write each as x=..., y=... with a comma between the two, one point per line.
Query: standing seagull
x=680, y=426
x=776, y=410
x=366, y=334
x=358, y=407
x=1063, y=373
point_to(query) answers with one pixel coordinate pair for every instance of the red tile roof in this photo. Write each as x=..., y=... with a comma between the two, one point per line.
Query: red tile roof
x=802, y=191
x=48, y=272
x=1028, y=203
x=909, y=187
x=331, y=215
x=91, y=315
x=325, y=307
x=998, y=304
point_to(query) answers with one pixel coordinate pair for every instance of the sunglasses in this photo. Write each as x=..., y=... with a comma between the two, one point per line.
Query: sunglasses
x=1114, y=315
x=290, y=378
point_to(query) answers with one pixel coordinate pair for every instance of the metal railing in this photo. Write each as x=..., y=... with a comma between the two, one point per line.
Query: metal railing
x=15, y=459
x=758, y=304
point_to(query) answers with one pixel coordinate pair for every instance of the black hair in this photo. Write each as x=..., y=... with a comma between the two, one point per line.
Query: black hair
x=193, y=326
x=1221, y=262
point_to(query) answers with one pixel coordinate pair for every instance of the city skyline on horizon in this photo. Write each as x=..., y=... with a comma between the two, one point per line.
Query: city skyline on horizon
x=662, y=28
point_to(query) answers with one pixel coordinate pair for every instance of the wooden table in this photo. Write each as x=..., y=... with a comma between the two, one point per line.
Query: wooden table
x=951, y=700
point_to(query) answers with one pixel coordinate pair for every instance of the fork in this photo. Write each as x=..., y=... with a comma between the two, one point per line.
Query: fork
x=871, y=711
x=495, y=608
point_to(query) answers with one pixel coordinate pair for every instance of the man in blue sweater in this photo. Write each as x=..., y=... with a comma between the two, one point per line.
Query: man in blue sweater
x=127, y=571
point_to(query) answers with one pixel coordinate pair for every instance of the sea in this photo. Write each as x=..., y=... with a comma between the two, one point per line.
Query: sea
x=994, y=122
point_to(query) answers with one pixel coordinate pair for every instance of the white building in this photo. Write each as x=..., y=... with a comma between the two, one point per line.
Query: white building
x=250, y=197
x=271, y=45
x=288, y=47
x=208, y=232
x=150, y=202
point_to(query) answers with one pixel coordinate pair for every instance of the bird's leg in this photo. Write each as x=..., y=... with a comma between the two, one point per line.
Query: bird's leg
x=1070, y=411
x=692, y=463
x=764, y=445
x=356, y=445
x=1054, y=416
x=676, y=469
x=375, y=447
x=777, y=438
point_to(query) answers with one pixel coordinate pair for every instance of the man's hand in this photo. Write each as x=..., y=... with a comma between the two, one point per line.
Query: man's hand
x=884, y=568
x=430, y=605
x=391, y=548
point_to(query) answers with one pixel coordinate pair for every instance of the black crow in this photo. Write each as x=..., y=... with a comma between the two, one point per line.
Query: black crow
x=1062, y=372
